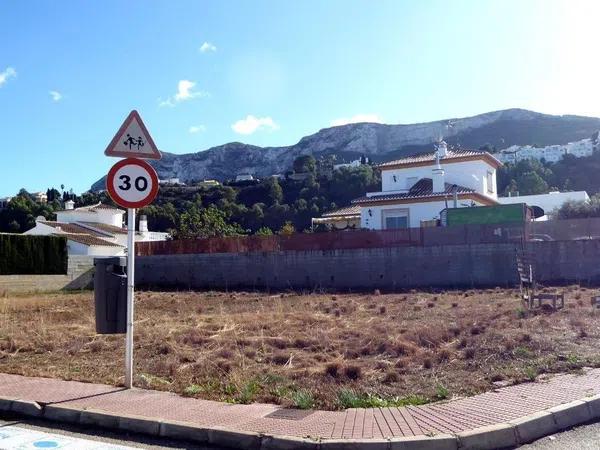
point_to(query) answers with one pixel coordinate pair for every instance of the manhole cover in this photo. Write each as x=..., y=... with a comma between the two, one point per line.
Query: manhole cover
x=289, y=414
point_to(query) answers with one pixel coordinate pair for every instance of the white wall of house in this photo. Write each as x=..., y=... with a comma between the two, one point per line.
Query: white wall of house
x=76, y=248
x=108, y=217
x=416, y=212
x=548, y=202
x=471, y=174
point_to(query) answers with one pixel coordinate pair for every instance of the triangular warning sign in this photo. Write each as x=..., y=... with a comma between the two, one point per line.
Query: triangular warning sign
x=133, y=140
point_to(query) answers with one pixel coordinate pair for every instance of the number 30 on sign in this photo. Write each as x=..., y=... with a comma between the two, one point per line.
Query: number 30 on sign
x=132, y=183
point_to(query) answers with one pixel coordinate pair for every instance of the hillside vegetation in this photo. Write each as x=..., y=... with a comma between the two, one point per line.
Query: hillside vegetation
x=285, y=206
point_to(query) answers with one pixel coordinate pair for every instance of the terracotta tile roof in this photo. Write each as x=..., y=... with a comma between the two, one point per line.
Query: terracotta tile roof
x=347, y=211
x=422, y=189
x=89, y=240
x=71, y=228
x=430, y=158
x=102, y=206
x=105, y=227
x=94, y=208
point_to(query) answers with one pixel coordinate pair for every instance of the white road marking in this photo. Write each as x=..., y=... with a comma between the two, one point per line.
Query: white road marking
x=15, y=438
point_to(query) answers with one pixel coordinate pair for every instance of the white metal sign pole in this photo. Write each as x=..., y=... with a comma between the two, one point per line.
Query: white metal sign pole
x=130, y=292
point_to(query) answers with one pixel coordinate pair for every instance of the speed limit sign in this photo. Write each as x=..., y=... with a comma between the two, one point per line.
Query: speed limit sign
x=132, y=183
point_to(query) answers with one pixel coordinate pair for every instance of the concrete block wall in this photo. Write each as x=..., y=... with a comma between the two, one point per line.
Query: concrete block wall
x=566, y=261
x=473, y=265
x=387, y=268
x=79, y=276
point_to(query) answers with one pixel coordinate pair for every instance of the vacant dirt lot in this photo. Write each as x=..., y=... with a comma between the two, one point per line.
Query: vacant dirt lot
x=327, y=351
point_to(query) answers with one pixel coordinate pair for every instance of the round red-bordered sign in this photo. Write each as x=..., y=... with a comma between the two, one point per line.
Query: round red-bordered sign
x=132, y=183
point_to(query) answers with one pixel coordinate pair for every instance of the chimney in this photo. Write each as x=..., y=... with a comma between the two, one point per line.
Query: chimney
x=69, y=204
x=437, y=177
x=143, y=226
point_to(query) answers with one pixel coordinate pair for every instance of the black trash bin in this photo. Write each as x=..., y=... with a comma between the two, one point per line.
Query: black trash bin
x=110, y=294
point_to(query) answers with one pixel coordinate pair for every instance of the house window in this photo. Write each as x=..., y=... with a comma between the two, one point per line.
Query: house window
x=411, y=181
x=396, y=222
x=490, y=182
x=395, y=218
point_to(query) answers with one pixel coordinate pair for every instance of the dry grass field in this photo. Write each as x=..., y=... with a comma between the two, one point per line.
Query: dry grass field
x=317, y=350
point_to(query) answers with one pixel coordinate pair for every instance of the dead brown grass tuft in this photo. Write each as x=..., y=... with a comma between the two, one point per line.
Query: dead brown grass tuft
x=353, y=372
x=262, y=345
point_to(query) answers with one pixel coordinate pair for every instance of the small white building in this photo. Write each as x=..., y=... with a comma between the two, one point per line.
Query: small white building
x=549, y=153
x=40, y=197
x=4, y=202
x=244, y=177
x=548, y=202
x=95, y=230
x=171, y=182
x=352, y=164
x=415, y=189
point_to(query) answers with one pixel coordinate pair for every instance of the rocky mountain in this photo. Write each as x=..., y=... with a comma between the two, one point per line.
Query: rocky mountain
x=380, y=142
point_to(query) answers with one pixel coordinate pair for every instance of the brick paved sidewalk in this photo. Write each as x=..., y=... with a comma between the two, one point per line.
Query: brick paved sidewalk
x=450, y=417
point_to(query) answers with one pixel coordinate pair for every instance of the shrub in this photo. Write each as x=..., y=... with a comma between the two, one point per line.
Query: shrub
x=303, y=399
x=349, y=398
x=192, y=389
x=441, y=393
x=248, y=392
x=530, y=373
x=32, y=255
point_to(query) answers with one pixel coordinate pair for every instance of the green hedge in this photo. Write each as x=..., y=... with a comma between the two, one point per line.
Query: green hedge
x=32, y=255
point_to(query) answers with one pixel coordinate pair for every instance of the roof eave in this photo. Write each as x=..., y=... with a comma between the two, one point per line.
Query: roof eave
x=426, y=198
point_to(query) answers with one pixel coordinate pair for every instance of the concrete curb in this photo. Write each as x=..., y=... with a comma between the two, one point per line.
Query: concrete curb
x=519, y=431
x=183, y=430
x=569, y=414
x=501, y=435
x=534, y=426
x=437, y=442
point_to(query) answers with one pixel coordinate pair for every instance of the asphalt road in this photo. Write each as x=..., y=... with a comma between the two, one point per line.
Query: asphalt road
x=585, y=437
x=34, y=434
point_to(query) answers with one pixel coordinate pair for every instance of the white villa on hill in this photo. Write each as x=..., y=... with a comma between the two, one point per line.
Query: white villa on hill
x=95, y=230
x=415, y=189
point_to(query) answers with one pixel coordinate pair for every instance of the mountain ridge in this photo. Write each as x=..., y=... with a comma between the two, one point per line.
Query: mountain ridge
x=500, y=129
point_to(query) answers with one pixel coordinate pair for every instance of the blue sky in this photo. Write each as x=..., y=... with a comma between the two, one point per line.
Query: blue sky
x=269, y=72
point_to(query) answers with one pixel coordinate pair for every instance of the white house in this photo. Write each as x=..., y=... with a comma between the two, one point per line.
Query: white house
x=415, y=189
x=550, y=153
x=40, y=197
x=244, y=177
x=4, y=202
x=548, y=202
x=95, y=230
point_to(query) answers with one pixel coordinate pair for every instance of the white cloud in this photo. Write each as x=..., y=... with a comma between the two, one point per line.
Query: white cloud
x=358, y=118
x=251, y=124
x=197, y=129
x=56, y=96
x=207, y=47
x=185, y=91
x=8, y=73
